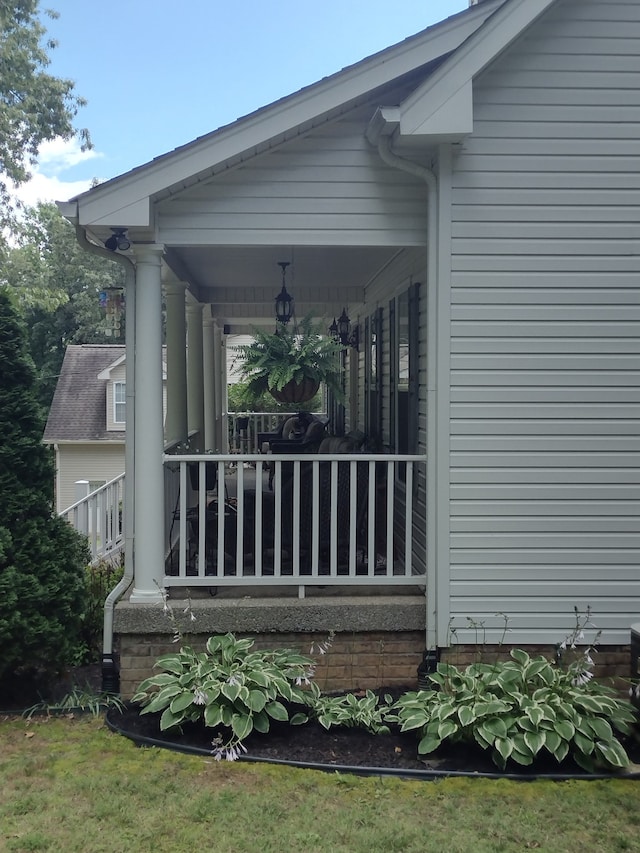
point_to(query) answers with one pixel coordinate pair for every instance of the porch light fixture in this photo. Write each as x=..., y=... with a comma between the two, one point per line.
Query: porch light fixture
x=340, y=329
x=284, y=300
x=118, y=240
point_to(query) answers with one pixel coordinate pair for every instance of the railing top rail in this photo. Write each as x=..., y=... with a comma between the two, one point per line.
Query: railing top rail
x=94, y=493
x=293, y=457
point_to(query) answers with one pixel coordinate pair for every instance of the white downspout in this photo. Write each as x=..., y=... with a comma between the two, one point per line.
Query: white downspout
x=110, y=680
x=425, y=174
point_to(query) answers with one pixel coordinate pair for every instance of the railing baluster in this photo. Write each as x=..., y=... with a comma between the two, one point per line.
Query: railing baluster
x=390, y=532
x=353, y=515
x=239, y=516
x=315, y=518
x=295, y=539
x=277, y=524
x=257, y=531
x=220, y=544
x=371, y=518
x=333, y=515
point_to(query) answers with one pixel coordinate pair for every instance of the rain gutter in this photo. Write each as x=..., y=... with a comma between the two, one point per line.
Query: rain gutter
x=110, y=674
x=383, y=124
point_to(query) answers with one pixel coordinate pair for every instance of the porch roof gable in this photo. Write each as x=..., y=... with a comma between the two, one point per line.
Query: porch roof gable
x=442, y=106
x=126, y=200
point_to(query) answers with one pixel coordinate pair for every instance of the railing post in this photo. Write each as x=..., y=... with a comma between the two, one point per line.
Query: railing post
x=82, y=513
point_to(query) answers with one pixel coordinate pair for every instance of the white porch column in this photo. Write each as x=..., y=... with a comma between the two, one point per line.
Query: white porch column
x=176, y=419
x=222, y=390
x=148, y=435
x=195, y=378
x=211, y=413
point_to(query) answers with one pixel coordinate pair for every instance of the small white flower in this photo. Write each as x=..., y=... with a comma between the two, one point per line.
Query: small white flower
x=582, y=678
x=199, y=696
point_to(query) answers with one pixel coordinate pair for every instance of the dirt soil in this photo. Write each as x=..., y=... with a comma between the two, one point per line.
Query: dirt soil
x=339, y=747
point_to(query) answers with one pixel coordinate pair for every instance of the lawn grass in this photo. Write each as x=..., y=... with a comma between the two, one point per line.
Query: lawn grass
x=72, y=785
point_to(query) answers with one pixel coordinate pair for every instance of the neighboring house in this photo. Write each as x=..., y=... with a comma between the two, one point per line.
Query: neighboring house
x=470, y=195
x=86, y=423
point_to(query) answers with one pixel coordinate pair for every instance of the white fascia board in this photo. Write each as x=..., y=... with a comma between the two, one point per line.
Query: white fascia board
x=452, y=120
x=135, y=214
x=125, y=200
x=433, y=107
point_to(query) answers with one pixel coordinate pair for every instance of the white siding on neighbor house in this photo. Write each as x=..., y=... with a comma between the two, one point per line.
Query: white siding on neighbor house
x=545, y=400
x=326, y=188
x=96, y=462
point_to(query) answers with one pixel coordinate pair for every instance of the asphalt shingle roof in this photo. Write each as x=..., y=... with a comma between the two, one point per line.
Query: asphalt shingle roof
x=79, y=407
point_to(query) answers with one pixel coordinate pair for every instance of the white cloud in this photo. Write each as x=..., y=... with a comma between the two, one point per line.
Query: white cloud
x=47, y=183
x=58, y=155
x=43, y=188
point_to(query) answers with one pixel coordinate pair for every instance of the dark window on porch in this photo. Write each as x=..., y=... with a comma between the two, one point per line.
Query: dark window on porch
x=373, y=375
x=403, y=379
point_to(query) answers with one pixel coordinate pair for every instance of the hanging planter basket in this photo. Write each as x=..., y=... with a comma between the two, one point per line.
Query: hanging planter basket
x=296, y=392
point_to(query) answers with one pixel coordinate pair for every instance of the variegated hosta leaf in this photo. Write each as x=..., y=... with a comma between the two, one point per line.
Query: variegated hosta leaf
x=612, y=753
x=535, y=741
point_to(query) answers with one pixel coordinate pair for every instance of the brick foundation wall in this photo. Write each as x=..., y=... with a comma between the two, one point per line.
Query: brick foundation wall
x=355, y=660
x=610, y=661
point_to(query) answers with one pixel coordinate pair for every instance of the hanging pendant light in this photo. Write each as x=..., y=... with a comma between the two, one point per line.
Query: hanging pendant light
x=284, y=300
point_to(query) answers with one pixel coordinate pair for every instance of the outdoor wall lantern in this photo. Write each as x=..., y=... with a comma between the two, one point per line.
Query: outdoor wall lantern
x=340, y=329
x=284, y=300
x=118, y=240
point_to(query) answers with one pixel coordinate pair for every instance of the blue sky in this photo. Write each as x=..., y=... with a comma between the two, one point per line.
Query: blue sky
x=156, y=74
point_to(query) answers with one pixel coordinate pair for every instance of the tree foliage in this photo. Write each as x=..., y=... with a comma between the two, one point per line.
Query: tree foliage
x=35, y=106
x=42, y=559
x=56, y=285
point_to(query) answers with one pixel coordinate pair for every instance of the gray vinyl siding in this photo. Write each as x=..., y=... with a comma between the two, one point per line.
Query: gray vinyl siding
x=326, y=188
x=545, y=401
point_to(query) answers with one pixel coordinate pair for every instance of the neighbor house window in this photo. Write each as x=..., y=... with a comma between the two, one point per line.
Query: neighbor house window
x=119, y=402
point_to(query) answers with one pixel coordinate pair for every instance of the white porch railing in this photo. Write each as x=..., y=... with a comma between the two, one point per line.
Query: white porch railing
x=330, y=519
x=99, y=515
x=245, y=427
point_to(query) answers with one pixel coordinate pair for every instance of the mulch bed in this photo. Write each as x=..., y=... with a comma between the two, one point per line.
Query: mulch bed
x=353, y=749
x=309, y=744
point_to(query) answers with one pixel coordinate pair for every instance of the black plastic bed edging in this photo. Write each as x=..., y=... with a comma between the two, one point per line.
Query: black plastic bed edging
x=143, y=740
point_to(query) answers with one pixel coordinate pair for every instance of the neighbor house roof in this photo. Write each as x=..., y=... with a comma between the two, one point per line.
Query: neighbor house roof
x=79, y=408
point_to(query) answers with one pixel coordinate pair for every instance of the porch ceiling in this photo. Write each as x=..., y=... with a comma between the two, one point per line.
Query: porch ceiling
x=241, y=283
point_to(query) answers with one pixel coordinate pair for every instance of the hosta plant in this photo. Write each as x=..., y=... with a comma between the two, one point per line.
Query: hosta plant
x=351, y=711
x=230, y=688
x=520, y=709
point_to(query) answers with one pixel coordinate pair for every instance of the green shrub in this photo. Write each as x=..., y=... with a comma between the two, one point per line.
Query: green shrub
x=520, y=709
x=228, y=687
x=100, y=579
x=42, y=559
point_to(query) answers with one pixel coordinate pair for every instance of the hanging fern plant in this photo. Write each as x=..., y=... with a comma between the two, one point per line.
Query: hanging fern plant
x=290, y=358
